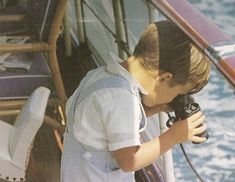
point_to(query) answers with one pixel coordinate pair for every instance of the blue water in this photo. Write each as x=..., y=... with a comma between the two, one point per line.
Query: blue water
x=214, y=160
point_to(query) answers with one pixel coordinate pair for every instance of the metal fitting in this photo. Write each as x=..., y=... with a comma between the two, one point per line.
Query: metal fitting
x=221, y=50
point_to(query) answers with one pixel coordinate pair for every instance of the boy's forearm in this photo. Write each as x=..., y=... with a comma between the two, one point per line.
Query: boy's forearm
x=152, y=150
x=135, y=158
x=147, y=152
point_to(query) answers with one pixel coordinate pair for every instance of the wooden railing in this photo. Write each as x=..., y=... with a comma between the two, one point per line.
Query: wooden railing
x=203, y=32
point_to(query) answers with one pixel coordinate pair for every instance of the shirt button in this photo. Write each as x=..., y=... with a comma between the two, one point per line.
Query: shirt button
x=136, y=92
x=87, y=155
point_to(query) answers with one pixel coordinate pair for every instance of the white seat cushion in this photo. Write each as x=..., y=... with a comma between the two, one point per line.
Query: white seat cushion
x=15, y=141
x=27, y=123
x=5, y=129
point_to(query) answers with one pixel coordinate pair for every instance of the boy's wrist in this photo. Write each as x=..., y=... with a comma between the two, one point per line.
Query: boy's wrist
x=174, y=135
x=168, y=139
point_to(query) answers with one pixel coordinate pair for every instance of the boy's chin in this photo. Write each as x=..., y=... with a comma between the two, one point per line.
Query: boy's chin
x=148, y=104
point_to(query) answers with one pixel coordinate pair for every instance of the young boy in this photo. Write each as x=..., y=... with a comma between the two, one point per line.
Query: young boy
x=109, y=108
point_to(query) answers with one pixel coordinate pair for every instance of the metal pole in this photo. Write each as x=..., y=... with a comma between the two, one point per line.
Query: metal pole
x=119, y=25
x=167, y=158
x=168, y=164
x=80, y=22
x=152, y=12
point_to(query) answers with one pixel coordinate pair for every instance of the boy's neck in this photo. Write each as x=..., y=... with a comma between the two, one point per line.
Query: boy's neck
x=141, y=74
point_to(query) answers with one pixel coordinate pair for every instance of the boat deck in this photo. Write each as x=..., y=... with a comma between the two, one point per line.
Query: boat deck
x=44, y=163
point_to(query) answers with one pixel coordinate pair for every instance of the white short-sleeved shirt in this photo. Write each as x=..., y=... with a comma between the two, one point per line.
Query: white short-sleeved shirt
x=109, y=118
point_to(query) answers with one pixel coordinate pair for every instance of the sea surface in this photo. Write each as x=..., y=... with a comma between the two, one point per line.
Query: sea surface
x=215, y=159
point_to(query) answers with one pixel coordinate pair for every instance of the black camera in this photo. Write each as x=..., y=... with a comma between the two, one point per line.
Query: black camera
x=184, y=107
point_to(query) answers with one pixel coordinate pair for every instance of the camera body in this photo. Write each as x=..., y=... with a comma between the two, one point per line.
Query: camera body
x=184, y=106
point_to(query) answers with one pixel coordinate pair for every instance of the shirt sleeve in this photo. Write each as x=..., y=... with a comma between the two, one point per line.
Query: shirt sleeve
x=121, y=116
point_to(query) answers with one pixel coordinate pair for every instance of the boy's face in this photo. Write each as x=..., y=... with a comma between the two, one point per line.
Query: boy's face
x=164, y=93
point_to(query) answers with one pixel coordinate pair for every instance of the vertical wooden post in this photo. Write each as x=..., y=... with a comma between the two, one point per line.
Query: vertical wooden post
x=53, y=61
x=120, y=27
x=80, y=22
x=152, y=13
x=168, y=165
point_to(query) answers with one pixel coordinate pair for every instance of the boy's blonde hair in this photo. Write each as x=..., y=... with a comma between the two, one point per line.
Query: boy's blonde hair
x=164, y=46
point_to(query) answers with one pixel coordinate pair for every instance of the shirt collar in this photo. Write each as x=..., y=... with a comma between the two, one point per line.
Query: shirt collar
x=115, y=68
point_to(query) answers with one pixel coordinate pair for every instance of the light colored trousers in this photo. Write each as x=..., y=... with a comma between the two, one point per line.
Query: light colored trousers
x=81, y=163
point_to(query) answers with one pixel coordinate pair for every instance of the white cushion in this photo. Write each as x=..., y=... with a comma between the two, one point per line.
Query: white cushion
x=8, y=169
x=15, y=141
x=5, y=130
x=27, y=124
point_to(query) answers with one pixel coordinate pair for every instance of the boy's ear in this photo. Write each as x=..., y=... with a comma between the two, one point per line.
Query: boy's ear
x=166, y=76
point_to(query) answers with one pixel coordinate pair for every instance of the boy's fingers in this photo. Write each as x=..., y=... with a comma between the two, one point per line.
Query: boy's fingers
x=195, y=116
x=198, y=139
x=198, y=121
x=200, y=129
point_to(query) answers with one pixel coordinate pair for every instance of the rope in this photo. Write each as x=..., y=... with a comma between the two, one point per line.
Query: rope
x=190, y=164
x=169, y=123
x=121, y=44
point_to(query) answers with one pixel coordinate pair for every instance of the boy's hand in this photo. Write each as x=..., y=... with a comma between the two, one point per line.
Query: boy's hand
x=156, y=109
x=188, y=128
